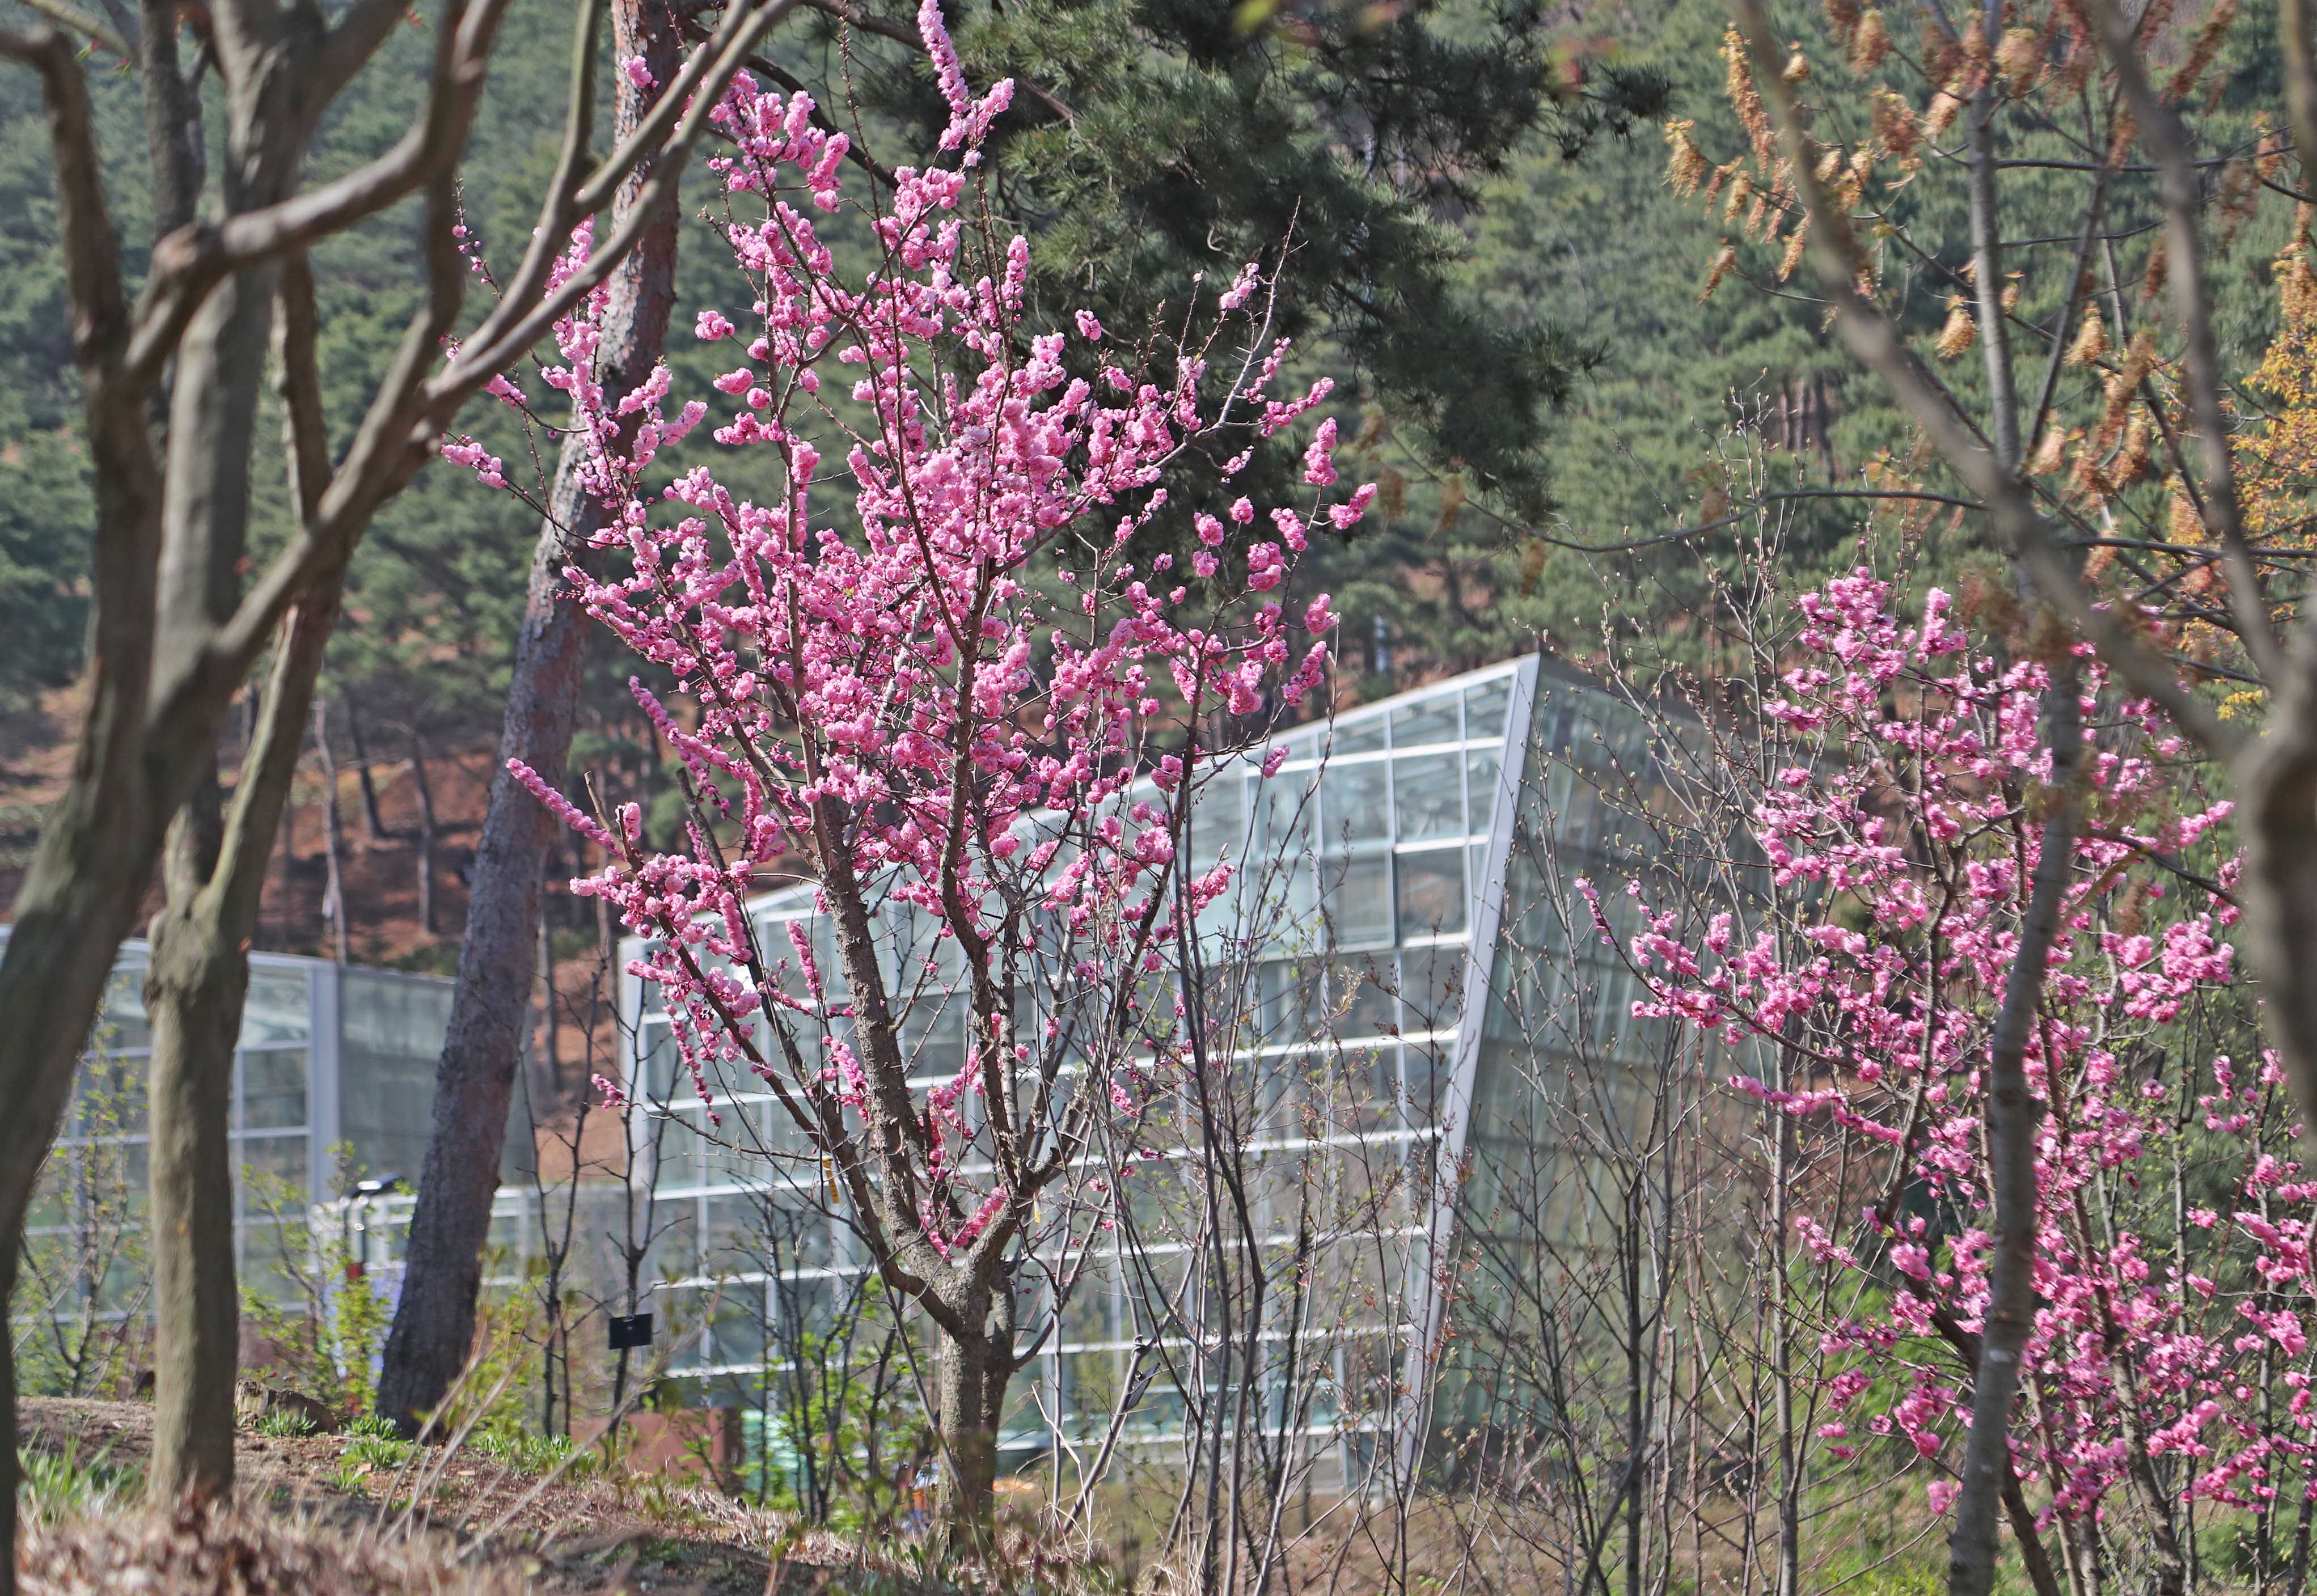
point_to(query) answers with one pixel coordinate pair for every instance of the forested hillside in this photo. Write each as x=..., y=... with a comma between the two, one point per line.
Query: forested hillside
x=1590, y=394
x=1460, y=377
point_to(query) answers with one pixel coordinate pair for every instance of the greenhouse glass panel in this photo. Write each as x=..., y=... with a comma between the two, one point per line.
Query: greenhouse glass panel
x=1356, y=893
x=1432, y=987
x=279, y=1008
x=1429, y=792
x=1353, y=807
x=274, y=1088
x=1431, y=888
x=1432, y=719
x=1482, y=766
x=1485, y=709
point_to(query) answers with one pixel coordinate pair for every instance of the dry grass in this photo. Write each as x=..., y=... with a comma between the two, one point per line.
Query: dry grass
x=440, y=1522
x=198, y=1550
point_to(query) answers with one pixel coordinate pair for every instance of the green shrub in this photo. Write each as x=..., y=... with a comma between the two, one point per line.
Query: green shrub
x=53, y=1485
x=333, y=1325
x=537, y=1455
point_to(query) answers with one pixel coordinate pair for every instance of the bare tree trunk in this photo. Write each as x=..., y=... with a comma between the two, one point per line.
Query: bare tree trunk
x=2011, y=1115
x=425, y=833
x=334, y=899
x=97, y=844
x=474, y=1084
x=193, y=993
x=215, y=872
x=374, y=830
x=2277, y=783
x=969, y=1393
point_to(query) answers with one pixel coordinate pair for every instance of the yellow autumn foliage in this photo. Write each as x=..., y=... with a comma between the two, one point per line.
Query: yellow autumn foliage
x=2276, y=453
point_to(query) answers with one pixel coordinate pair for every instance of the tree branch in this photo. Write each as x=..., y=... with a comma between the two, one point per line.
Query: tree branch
x=173, y=122
x=68, y=15
x=128, y=475
x=92, y=251
x=902, y=33
x=854, y=153
x=360, y=34
x=558, y=208
x=194, y=259
x=505, y=335
x=2160, y=128
x=305, y=423
x=1878, y=346
x=713, y=67
x=1987, y=276
x=409, y=413
x=2059, y=352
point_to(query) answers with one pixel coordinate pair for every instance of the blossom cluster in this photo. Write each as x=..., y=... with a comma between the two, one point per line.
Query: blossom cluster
x=1898, y=838
x=973, y=688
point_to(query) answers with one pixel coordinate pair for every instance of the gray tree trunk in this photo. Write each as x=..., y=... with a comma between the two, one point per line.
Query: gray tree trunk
x=194, y=996
x=2012, y=1112
x=490, y=1010
x=214, y=870
x=194, y=992
x=199, y=970
x=2277, y=787
x=970, y=1380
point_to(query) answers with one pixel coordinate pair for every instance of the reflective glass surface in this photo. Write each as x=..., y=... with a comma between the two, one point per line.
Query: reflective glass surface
x=1342, y=958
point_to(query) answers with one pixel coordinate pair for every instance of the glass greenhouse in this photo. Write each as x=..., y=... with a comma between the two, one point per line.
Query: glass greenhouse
x=328, y=1054
x=1414, y=1000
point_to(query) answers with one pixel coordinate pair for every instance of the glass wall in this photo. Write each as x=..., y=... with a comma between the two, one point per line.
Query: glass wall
x=327, y=1055
x=1574, y=1101
x=390, y=1030
x=1372, y=866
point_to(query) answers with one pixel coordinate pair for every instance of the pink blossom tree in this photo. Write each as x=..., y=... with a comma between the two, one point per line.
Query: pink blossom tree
x=2164, y=1360
x=974, y=696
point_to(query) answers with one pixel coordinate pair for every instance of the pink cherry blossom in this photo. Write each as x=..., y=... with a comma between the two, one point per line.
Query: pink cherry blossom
x=1899, y=832
x=876, y=690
